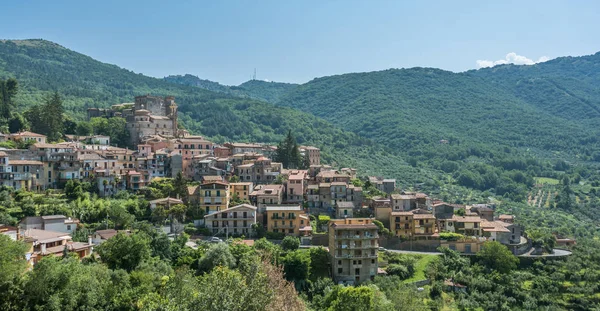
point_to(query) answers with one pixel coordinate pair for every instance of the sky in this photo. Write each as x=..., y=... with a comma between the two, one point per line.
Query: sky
x=297, y=41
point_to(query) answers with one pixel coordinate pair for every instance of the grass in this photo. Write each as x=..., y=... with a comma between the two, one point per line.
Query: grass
x=420, y=268
x=546, y=181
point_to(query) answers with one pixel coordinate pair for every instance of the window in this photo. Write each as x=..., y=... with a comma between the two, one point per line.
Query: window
x=291, y=231
x=340, y=270
x=372, y=261
x=69, y=227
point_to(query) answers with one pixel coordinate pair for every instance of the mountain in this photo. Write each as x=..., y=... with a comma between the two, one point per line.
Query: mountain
x=548, y=107
x=42, y=67
x=257, y=89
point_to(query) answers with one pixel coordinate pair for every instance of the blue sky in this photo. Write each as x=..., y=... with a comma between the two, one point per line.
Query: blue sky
x=296, y=41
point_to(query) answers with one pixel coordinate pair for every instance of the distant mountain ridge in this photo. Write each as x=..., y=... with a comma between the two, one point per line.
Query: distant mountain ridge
x=263, y=90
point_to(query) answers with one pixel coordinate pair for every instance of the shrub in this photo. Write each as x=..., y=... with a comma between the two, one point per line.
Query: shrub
x=290, y=243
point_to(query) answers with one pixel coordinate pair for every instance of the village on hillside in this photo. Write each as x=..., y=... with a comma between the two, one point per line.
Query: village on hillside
x=240, y=190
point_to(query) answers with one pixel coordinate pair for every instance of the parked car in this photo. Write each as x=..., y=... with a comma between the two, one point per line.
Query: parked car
x=382, y=249
x=215, y=240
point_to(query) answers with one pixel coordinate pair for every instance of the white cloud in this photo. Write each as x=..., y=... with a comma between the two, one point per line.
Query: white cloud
x=511, y=58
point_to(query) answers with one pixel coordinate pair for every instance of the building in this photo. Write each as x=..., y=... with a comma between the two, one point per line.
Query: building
x=56, y=223
x=166, y=203
x=237, y=220
x=264, y=195
x=27, y=136
x=241, y=189
x=151, y=115
x=344, y=209
x=314, y=154
x=287, y=219
x=295, y=186
x=383, y=185
x=213, y=196
x=402, y=224
x=102, y=236
x=353, y=247
x=52, y=243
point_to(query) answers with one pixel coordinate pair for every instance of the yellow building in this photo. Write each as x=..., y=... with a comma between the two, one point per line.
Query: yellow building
x=402, y=223
x=288, y=219
x=241, y=189
x=213, y=196
x=353, y=247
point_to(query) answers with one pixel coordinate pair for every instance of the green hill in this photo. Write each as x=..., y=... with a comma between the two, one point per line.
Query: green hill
x=42, y=67
x=408, y=108
x=262, y=90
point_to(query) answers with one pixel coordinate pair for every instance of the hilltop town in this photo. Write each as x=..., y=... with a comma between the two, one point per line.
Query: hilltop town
x=240, y=190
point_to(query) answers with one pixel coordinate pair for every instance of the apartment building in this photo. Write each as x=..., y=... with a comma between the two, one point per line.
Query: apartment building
x=288, y=219
x=213, y=196
x=295, y=186
x=353, y=247
x=264, y=195
x=241, y=189
x=236, y=220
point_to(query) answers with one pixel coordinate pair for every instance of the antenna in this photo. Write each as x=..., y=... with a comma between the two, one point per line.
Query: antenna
x=254, y=76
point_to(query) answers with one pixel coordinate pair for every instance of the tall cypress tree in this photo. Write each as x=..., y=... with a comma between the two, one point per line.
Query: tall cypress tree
x=8, y=90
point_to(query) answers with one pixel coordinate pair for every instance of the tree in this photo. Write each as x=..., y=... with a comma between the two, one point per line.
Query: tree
x=12, y=261
x=125, y=251
x=498, y=257
x=84, y=129
x=296, y=266
x=8, y=90
x=288, y=153
x=48, y=118
x=180, y=186
x=290, y=243
x=217, y=255
x=319, y=263
x=54, y=117
x=17, y=123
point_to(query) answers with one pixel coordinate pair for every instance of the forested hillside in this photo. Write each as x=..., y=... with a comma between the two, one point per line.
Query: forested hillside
x=42, y=67
x=268, y=91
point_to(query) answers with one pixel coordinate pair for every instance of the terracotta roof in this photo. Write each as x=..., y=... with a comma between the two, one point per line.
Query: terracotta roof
x=423, y=216
x=27, y=133
x=339, y=183
x=106, y=234
x=166, y=200
x=45, y=236
x=506, y=217
x=494, y=226
x=466, y=218
x=252, y=207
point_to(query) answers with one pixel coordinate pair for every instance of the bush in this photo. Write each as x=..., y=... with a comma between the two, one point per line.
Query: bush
x=275, y=235
x=451, y=236
x=190, y=229
x=290, y=243
x=398, y=270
